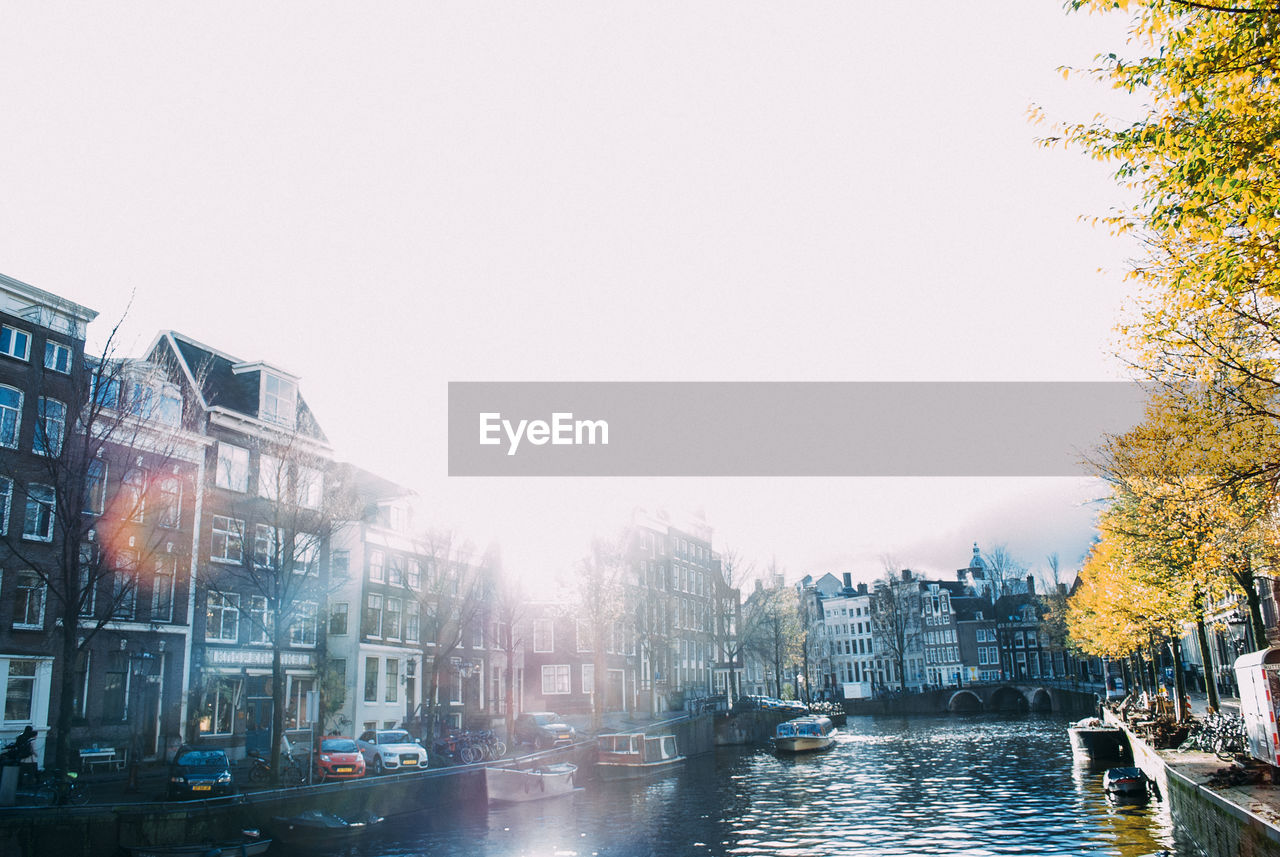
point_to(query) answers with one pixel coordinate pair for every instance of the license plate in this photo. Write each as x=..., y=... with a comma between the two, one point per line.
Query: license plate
x=343, y=770
x=564, y=737
x=412, y=761
x=203, y=788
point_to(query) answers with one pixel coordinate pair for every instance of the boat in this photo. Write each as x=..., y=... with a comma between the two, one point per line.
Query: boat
x=803, y=734
x=316, y=827
x=626, y=755
x=1095, y=741
x=250, y=844
x=521, y=784
x=1128, y=783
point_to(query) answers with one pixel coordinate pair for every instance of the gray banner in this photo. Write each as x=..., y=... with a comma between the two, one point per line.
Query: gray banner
x=783, y=429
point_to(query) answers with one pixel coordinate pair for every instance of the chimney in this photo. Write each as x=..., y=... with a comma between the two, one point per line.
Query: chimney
x=862, y=589
x=906, y=574
x=1031, y=584
x=1062, y=589
x=848, y=580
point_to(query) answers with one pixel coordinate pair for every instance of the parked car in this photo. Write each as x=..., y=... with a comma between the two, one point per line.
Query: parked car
x=199, y=772
x=544, y=729
x=1115, y=688
x=391, y=750
x=338, y=758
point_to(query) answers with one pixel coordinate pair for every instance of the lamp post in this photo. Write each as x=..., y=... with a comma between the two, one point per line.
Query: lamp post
x=142, y=666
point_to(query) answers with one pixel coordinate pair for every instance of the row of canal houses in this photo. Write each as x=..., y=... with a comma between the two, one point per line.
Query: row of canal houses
x=184, y=513
x=181, y=510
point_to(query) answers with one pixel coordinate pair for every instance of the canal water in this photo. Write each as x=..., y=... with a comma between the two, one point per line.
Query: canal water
x=964, y=785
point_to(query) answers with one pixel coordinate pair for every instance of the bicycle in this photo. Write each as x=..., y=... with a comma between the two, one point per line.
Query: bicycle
x=291, y=771
x=60, y=788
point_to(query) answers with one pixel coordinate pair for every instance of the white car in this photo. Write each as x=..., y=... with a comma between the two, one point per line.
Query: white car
x=391, y=750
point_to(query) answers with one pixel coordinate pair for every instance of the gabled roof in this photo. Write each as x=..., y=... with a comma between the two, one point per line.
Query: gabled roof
x=224, y=382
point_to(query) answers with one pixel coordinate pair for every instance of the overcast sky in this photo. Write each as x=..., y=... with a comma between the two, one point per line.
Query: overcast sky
x=386, y=197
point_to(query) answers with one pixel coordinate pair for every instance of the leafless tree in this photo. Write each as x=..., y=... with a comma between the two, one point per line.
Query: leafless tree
x=99, y=492
x=1003, y=568
x=600, y=604
x=774, y=634
x=729, y=624
x=896, y=617
x=511, y=619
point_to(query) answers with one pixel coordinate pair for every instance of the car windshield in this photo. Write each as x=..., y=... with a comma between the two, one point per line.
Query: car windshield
x=545, y=719
x=196, y=758
x=399, y=736
x=337, y=745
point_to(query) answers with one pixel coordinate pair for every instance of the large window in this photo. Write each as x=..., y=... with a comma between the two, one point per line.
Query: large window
x=10, y=416
x=339, y=565
x=306, y=554
x=233, y=468
x=133, y=495
x=555, y=679
x=412, y=624
x=162, y=589
x=28, y=608
x=170, y=502
x=373, y=615
x=376, y=572
x=6, y=503
x=14, y=342
x=391, y=624
x=588, y=678
x=95, y=488
x=270, y=477
x=115, y=687
x=38, y=523
x=218, y=707
x=88, y=578
x=310, y=487
x=303, y=630
x=395, y=570
x=256, y=620
x=265, y=546
x=338, y=618
x=51, y=425
x=295, y=714
x=393, y=680
x=279, y=400
x=543, y=635
x=57, y=357
x=227, y=535
x=20, y=690
x=371, y=679
x=222, y=618
x=124, y=582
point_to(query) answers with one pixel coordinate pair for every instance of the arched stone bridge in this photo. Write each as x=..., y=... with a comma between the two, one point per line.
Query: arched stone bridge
x=1013, y=696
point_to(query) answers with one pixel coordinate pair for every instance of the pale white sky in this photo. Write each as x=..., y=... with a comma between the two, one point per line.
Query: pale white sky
x=383, y=198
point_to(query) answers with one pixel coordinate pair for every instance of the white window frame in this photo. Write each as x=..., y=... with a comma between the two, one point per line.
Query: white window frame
x=95, y=491
x=15, y=335
x=166, y=567
x=377, y=566
x=270, y=476
x=231, y=528
x=51, y=426
x=34, y=505
x=232, y=470
x=266, y=545
x=52, y=352
x=539, y=626
x=269, y=408
x=588, y=678
x=304, y=630
x=343, y=609
x=228, y=602
x=6, y=503
x=555, y=679
x=39, y=587
x=11, y=413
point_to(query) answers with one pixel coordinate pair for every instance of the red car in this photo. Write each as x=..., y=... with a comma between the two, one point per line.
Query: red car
x=339, y=759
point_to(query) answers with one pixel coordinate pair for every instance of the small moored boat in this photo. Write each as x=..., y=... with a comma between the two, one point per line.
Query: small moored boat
x=803, y=734
x=1095, y=741
x=316, y=827
x=250, y=844
x=626, y=755
x=517, y=784
x=1128, y=783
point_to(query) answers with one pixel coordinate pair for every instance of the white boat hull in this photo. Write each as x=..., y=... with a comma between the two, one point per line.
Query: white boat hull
x=803, y=743
x=511, y=785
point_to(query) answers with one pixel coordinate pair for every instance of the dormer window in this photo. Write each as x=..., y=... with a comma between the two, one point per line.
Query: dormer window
x=279, y=400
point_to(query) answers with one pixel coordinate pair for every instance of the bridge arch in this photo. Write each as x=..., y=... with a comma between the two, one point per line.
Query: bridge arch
x=1006, y=698
x=964, y=701
x=1040, y=700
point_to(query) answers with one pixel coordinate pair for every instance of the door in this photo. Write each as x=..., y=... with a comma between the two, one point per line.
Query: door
x=257, y=724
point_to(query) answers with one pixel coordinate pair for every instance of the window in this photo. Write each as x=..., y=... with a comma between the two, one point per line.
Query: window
x=306, y=554
x=395, y=570
x=57, y=357
x=105, y=390
x=88, y=579
x=412, y=628
x=303, y=630
x=265, y=546
x=162, y=589
x=588, y=678
x=14, y=342
x=310, y=487
x=95, y=489
x=222, y=618
x=391, y=626
x=393, y=680
x=255, y=609
x=295, y=713
x=38, y=524
x=124, y=586
x=218, y=706
x=543, y=635
x=170, y=511
x=115, y=687
x=233, y=468
x=373, y=615
x=227, y=534
x=555, y=679
x=413, y=575
x=584, y=635
x=370, y=679
x=279, y=400
x=20, y=690
x=270, y=476
x=10, y=416
x=338, y=618
x=375, y=566
x=28, y=608
x=51, y=425
x=81, y=684
x=340, y=565
x=133, y=495
x=6, y=501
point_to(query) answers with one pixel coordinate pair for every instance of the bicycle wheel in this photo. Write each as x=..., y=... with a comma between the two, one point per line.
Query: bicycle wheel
x=259, y=774
x=46, y=795
x=471, y=755
x=499, y=749
x=78, y=795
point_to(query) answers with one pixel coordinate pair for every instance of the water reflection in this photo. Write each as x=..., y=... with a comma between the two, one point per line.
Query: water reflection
x=962, y=785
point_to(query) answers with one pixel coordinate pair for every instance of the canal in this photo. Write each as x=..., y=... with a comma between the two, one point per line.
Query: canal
x=967, y=785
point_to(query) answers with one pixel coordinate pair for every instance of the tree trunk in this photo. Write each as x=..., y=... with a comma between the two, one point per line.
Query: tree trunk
x=277, y=706
x=1179, y=681
x=1206, y=661
x=66, y=691
x=509, y=688
x=1248, y=584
